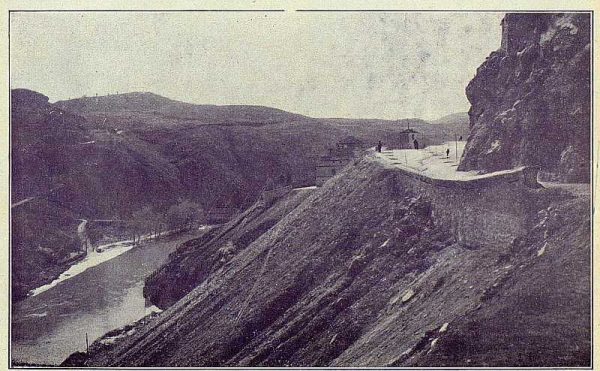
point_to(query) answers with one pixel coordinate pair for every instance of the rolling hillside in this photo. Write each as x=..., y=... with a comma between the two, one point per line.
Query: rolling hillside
x=106, y=157
x=160, y=106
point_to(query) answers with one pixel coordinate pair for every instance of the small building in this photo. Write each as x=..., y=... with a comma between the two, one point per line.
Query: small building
x=327, y=167
x=410, y=139
x=267, y=197
x=349, y=144
x=330, y=164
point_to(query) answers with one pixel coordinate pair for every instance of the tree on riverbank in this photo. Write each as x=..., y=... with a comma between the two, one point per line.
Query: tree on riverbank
x=146, y=220
x=180, y=217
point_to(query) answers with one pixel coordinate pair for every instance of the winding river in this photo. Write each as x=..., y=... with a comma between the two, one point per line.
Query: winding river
x=49, y=326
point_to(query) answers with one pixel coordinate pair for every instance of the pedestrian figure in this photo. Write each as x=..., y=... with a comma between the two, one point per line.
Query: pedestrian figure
x=447, y=152
x=416, y=144
x=379, y=147
x=460, y=138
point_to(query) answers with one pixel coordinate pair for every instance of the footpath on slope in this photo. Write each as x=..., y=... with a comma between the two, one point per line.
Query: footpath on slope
x=433, y=165
x=430, y=161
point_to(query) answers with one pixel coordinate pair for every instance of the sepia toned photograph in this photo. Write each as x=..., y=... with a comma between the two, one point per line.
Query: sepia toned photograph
x=301, y=187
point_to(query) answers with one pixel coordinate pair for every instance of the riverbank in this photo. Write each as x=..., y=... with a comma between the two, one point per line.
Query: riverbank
x=96, y=256
x=92, y=259
x=108, y=341
x=48, y=327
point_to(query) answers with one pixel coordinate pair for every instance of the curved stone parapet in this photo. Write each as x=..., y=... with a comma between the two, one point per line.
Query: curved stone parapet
x=485, y=210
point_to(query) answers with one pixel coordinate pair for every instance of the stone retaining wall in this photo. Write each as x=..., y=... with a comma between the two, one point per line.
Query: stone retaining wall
x=491, y=210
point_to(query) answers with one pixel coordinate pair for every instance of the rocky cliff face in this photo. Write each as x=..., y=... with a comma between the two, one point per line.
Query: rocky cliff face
x=531, y=98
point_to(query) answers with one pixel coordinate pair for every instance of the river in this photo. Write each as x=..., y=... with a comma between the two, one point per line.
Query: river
x=48, y=327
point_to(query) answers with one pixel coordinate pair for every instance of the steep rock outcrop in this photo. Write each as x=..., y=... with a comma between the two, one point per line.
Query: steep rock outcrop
x=531, y=98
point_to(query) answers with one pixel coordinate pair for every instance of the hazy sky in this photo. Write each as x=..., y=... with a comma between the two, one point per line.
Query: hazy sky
x=368, y=65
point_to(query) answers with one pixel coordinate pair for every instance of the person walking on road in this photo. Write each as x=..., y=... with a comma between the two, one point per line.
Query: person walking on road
x=447, y=152
x=379, y=147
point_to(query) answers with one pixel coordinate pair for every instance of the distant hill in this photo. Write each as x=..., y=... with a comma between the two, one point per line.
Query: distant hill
x=459, y=118
x=116, y=102
x=158, y=105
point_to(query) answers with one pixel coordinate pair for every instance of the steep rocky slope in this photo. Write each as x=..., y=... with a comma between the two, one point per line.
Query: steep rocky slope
x=195, y=260
x=360, y=273
x=531, y=98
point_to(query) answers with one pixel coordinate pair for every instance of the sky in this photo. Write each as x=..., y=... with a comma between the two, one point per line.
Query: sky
x=388, y=65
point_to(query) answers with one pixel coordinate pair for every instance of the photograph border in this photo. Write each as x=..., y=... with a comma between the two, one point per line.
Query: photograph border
x=306, y=10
